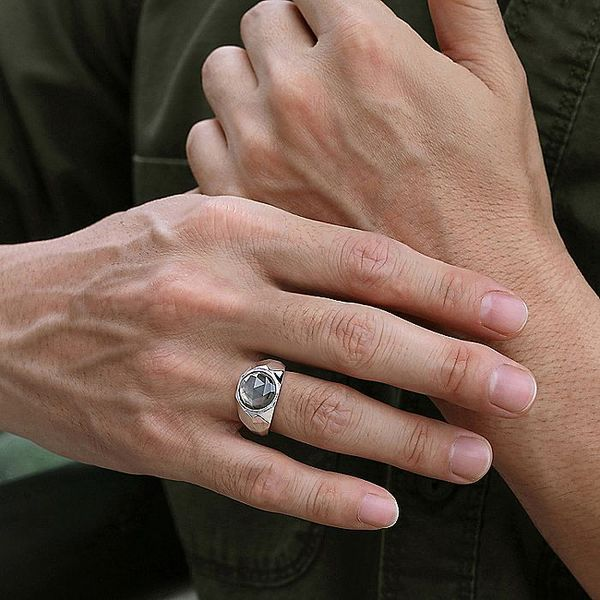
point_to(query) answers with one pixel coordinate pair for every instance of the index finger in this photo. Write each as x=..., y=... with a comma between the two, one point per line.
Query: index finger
x=376, y=270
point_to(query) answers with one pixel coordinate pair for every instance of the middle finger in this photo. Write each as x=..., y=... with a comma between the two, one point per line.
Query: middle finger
x=372, y=344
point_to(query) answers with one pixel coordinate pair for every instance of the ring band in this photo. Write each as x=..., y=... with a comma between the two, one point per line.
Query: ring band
x=257, y=394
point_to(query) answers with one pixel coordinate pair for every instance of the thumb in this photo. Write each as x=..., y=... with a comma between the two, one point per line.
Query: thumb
x=472, y=33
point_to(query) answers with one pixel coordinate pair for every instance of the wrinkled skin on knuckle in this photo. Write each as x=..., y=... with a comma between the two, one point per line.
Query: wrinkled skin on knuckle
x=455, y=363
x=417, y=446
x=262, y=9
x=218, y=226
x=263, y=485
x=368, y=261
x=323, y=502
x=327, y=413
x=353, y=337
x=151, y=437
x=451, y=291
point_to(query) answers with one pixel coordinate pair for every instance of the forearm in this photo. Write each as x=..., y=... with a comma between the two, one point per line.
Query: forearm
x=551, y=458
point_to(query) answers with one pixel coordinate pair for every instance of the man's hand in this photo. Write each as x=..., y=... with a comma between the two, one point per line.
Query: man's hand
x=123, y=344
x=339, y=111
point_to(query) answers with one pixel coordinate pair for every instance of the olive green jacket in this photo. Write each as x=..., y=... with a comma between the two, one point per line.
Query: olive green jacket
x=97, y=99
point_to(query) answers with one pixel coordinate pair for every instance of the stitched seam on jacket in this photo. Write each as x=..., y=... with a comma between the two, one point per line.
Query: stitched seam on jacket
x=252, y=577
x=477, y=544
x=570, y=104
x=516, y=16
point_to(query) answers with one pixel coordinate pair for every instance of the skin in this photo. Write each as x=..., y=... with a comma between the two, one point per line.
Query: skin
x=123, y=345
x=341, y=112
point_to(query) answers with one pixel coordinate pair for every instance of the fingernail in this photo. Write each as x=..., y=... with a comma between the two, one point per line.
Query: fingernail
x=378, y=512
x=503, y=313
x=512, y=389
x=470, y=458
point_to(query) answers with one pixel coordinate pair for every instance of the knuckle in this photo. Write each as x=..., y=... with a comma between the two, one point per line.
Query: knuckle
x=194, y=139
x=156, y=430
x=216, y=219
x=360, y=43
x=258, y=153
x=219, y=60
x=368, y=261
x=174, y=297
x=164, y=299
x=151, y=434
x=156, y=365
x=262, y=484
x=450, y=290
x=417, y=445
x=354, y=337
x=264, y=8
x=456, y=362
x=322, y=503
x=327, y=412
x=299, y=92
x=210, y=64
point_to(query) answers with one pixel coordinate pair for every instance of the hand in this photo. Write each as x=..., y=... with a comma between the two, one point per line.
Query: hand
x=339, y=111
x=123, y=347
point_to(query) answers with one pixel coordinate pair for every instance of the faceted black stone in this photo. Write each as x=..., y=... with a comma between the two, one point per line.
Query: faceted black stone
x=257, y=390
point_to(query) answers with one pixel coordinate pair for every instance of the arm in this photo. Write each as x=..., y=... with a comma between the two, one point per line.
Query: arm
x=373, y=128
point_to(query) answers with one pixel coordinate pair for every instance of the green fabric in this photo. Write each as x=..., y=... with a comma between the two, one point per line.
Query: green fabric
x=21, y=458
x=97, y=101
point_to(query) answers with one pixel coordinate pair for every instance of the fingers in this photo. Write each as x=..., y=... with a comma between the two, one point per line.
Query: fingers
x=271, y=481
x=229, y=82
x=209, y=158
x=377, y=270
x=337, y=418
x=370, y=344
x=272, y=31
x=472, y=33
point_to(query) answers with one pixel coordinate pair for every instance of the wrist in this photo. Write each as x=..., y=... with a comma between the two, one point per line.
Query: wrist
x=23, y=301
x=560, y=344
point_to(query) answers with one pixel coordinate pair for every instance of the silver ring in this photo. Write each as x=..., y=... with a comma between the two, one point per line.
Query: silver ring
x=257, y=394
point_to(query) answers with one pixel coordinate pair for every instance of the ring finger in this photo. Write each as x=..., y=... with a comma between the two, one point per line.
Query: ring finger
x=338, y=418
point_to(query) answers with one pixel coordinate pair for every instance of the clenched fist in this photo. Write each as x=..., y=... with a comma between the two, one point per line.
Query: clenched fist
x=339, y=111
